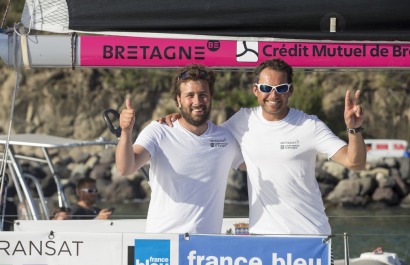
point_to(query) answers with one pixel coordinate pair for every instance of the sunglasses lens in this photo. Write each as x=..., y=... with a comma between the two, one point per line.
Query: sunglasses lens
x=265, y=88
x=183, y=76
x=203, y=74
x=282, y=88
x=90, y=190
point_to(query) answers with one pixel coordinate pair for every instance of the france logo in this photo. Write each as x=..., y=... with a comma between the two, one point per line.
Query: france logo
x=152, y=252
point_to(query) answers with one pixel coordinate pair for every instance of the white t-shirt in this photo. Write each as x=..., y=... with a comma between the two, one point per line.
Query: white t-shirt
x=280, y=157
x=188, y=177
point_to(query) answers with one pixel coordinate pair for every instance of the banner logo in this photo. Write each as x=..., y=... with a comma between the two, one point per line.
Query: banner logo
x=152, y=252
x=246, y=51
x=213, y=45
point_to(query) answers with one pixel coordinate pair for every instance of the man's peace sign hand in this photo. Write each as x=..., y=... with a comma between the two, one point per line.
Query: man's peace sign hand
x=354, y=114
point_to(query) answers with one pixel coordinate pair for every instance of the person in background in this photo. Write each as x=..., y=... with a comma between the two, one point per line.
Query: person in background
x=85, y=207
x=60, y=213
x=280, y=145
x=190, y=163
x=10, y=214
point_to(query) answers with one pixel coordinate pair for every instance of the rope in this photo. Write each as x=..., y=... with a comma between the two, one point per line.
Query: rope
x=5, y=14
x=24, y=50
x=73, y=49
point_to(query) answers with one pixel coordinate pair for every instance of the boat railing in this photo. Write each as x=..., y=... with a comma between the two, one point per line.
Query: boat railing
x=26, y=197
x=11, y=162
x=20, y=184
x=39, y=190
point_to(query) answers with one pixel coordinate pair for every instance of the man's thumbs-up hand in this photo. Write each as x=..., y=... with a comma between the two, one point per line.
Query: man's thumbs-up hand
x=127, y=117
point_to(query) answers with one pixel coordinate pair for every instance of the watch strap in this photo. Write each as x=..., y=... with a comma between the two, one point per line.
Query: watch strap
x=355, y=130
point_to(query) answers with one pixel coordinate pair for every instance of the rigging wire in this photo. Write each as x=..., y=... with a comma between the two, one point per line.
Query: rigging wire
x=5, y=14
x=17, y=67
x=3, y=199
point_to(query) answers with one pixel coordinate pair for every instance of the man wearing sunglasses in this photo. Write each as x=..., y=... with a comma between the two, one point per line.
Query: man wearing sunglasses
x=280, y=144
x=86, y=208
x=189, y=164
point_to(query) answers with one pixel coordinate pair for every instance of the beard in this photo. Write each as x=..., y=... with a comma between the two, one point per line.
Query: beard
x=196, y=120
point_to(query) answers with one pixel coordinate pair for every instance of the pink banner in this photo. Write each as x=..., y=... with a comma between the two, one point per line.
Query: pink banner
x=115, y=51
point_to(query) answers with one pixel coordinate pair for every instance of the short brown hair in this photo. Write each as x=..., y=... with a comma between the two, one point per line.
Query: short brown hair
x=81, y=183
x=274, y=64
x=58, y=210
x=192, y=72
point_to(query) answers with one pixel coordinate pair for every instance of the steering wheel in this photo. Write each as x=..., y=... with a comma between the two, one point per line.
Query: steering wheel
x=109, y=122
x=116, y=130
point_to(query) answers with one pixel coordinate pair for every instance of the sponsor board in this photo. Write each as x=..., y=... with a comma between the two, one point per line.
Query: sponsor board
x=380, y=148
x=60, y=248
x=256, y=250
x=29, y=248
x=122, y=51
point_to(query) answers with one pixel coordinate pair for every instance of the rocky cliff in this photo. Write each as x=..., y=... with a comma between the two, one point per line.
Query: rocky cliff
x=69, y=103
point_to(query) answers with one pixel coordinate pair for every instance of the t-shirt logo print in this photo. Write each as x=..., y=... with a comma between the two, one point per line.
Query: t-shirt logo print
x=218, y=143
x=289, y=145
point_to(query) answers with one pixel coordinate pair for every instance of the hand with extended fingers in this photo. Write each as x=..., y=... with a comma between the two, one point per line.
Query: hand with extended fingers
x=354, y=114
x=170, y=118
x=127, y=117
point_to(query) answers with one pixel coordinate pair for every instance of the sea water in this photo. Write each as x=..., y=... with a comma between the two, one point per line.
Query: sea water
x=366, y=229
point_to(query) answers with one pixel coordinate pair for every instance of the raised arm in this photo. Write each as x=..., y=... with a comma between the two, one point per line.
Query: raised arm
x=128, y=157
x=353, y=155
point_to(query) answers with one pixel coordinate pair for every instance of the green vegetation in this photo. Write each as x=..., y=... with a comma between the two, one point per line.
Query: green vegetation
x=307, y=97
x=233, y=90
x=14, y=9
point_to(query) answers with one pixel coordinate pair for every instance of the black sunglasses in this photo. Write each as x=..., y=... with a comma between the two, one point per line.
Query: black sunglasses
x=280, y=89
x=188, y=73
x=90, y=190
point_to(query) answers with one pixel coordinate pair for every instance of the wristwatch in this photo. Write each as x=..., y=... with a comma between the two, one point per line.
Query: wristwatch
x=355, y=130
